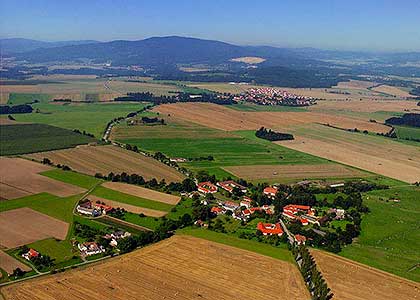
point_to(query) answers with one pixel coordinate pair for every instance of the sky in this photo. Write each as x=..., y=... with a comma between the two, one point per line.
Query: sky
x=386, y=25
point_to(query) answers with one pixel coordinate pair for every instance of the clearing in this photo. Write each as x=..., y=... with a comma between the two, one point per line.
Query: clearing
x=372, y=153
x=273, y=172
x=349, y=280
x=20, y=177
x=105, y=159
x=178, y=268
x=23, y=226
x=142, y=192
x=29, y=138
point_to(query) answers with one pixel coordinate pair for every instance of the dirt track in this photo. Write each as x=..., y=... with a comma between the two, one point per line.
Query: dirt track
x=19, y=177
x=181, y=267
x=142, y=192
x=221, y=117
x=353, y=281
x=293, y=171
x=106, y=159
x=24, y=226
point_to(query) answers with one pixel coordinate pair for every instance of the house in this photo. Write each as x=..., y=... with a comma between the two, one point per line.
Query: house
x=300, y=239
x=200, y=223
x=120, y=234
x=270, y=191
x=304, y=221
x=30, y=254
x=295, y=208
x=102, y=207
x=217, y=210
x=86, y=204
x=207, y=187
x=246, y=213
x=90, y=248
x=91, y=212
x=246, y=202
x=336, y=185
x=230, y=185
x=178, y=159
x=230, y=205
x=270, y=229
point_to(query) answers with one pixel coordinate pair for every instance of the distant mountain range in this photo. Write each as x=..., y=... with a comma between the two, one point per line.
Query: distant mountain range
x=18, y=45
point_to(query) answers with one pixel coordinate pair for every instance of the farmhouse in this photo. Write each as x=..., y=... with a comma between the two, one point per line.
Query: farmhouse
x=246, y=202
x=270, y=229
x=229, y=205
x=300, y=239
x=207, y=187
x=30, y=254
x=230, y=185
x=270, y=191
x=217, y=210
x=115, y=236
x=102, y=207
x=90, y=248
x=294, y=209
x=92, y=212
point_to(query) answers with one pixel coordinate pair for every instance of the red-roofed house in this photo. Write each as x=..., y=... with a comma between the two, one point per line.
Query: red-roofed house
x=246, y=202
x=103, y=207
x=217, y=210
x=207, y=187
x=300, y=239
x=30, y=254
x=304, y=221
x=270, y=229
x=229, y=185
x=294, y=209
x=270, y=191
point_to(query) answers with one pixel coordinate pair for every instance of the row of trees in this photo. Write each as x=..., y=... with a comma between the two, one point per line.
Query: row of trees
x=312, y=276
x=15, y=109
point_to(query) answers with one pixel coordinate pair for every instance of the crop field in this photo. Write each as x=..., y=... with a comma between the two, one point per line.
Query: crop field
x=173, y=269
x=105, y=159
x=349, y=280
x=29, y=138
x=142, y=192
x=92, y=117
x=9, y=263
x=279, y=172
x=223, y=118
x=20, y=177
x=128, y=207
x=372, y=153
x=118, y=196
x=405, y=132
x=390, y=236
x=23, y=226
x=74, y=178
x=20, y=98
x=392, y=90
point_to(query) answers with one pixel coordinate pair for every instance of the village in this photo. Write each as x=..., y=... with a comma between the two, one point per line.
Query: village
x=273, y=96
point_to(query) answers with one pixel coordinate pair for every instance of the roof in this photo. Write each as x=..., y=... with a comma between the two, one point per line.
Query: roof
x=300, y=238
x=269, y=228
x=216, y=209
x=33, y=253
x=297, y=207
x=270, y=190
x=207, y=186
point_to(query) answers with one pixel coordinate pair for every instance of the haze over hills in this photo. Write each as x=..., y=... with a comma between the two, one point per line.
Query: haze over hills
x=19, y=45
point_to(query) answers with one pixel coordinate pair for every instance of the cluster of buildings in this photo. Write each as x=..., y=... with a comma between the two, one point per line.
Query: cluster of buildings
x=269, y=229
x=90, y=248
x=303, y=213
x=90, y=209
x=115, y=236
x=228, y=185
x=31, y=254
x=273, y=96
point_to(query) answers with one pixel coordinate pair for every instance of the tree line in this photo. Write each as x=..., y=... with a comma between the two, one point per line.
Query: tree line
x=270, y=135
x=15, y=109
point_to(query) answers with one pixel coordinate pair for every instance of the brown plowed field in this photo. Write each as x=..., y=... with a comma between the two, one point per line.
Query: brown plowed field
x=19, y=177
x=221, y=117
x=375, y=154
x=181, y=267
x=349, y=280
x=24, y=226
x=131, y=208
x=106, y=159
x=293, y=171
x=142, y=192
x=365, y=105
x=9, y=263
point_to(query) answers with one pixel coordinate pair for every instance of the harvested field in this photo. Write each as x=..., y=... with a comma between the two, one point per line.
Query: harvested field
x=9, y=263
x=178, y=268
x=142, y=192
x=372, y=153
x=392, y=90
x=105, y=159
x=249, y=59
x=355, y=84
x=221, y=117
x=20, y=177
x=293, y=171
x=131, y=208
x=349, y=280
x=24, y=226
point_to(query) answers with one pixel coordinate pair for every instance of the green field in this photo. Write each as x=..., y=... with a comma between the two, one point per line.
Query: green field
x=54, y=206
x=91, y=117
x=74, y=178
x=20, y=98
x=264, y=249
x=228, y=149
x=390, y=236
x=109, y=194
x=405, y=132
x=29, y=138
x=61, y=251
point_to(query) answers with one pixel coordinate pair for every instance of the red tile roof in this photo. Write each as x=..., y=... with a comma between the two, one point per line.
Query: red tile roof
x=268, y=228
x=270, y=190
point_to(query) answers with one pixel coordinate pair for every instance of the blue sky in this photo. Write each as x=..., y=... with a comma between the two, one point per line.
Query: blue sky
x=332, y=24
